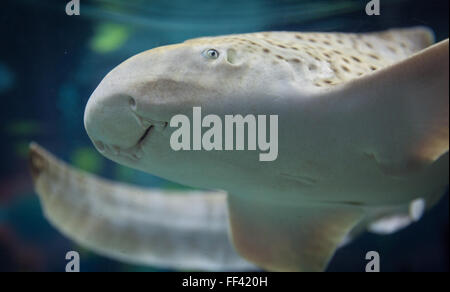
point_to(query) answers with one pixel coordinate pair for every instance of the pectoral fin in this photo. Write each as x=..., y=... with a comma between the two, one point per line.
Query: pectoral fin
x=400, y=114
x=286, y=237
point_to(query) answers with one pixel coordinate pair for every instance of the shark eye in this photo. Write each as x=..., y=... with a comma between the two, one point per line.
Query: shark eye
x=211, y=54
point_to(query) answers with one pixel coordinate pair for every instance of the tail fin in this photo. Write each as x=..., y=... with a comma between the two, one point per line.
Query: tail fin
x=151, y=227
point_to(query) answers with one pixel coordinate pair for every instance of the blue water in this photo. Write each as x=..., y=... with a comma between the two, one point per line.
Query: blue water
x=50, y=63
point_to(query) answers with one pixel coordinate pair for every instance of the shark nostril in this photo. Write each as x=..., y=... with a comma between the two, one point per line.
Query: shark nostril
x=100, y=146
x=132, y=103
x=115, y=150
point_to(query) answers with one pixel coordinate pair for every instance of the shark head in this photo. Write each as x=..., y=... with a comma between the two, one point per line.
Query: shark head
x=128, y=115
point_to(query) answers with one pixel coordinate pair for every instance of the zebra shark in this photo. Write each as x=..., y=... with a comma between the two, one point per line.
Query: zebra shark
x=363, y=144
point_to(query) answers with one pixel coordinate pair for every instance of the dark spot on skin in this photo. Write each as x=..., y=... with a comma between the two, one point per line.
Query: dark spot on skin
x=317, y=58
x=346, y=60
x=298, y=37
x=295, y=60
x=345, y=68
x=312, y=40
x=373, y=68
x=312, y=67
x=356, y=59
x=392, y=49
x=337, y=52
x=317, y=84
x=294, y=48
x=328, y=81
x=369, y=45
x=266, y=50
x=281, y=46
x=327, y=43
x=327, y=55
x=374, y=56
x=280, y=57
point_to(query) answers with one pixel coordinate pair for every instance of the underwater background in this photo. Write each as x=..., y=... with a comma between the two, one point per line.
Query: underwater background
x=50, y=63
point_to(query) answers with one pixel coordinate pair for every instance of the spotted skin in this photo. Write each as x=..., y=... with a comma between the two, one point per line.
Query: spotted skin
x=328, y=59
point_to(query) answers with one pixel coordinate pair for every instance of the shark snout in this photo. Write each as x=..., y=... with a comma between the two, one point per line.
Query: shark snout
x=113, y=124
x=109, y=120
x=128, y=106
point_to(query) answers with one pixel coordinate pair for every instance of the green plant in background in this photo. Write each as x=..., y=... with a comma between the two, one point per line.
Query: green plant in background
x=109, y=37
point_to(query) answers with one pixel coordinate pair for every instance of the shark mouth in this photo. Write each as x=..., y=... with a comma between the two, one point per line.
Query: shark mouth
x=133, y=153
x=145, y=135
x=149, y=126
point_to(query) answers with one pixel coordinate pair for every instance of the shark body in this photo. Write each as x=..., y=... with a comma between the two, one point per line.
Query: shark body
x=363, y=134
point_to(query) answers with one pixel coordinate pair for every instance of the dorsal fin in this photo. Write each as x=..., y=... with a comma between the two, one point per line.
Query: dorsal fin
x=415, y=38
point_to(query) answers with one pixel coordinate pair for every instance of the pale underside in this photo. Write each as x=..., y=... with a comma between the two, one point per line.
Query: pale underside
x=382, y=69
